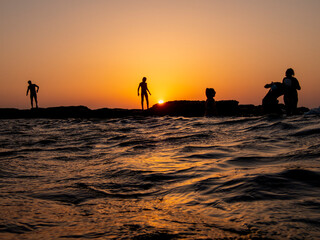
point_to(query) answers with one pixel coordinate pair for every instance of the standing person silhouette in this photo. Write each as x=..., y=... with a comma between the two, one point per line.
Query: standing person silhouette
x=290, y=85
x=144, y=91
x=33, y=93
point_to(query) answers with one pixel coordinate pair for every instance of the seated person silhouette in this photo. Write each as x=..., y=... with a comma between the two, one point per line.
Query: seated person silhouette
x=144, y=91
x=210, y=108
x=33, y=88
x=270, y=101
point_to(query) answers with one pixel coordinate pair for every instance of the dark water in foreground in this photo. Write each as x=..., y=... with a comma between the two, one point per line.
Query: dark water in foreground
x=160, y=178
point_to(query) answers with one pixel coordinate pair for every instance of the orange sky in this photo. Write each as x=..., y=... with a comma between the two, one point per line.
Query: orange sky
x=95, y=52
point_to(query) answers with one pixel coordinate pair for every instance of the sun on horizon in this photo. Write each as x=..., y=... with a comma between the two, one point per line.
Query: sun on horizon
x=160, y=101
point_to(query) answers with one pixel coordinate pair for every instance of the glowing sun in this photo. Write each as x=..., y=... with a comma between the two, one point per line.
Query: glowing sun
x=160, y=101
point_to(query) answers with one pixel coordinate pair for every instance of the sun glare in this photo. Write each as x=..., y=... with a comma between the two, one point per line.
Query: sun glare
x=160, y=101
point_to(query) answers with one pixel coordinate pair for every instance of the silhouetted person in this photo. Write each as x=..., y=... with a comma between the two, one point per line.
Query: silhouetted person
x=290, y=85
x=144, y=91
x=211, y=108
x=270, y=101
x=33, y=88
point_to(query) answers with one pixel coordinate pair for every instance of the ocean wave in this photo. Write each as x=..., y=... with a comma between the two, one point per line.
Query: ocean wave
x=187, y=137
x=307, y=131
x=252, y=160
x=237, y=120
x=286, y=185
x=16, y=228
x=214, y=155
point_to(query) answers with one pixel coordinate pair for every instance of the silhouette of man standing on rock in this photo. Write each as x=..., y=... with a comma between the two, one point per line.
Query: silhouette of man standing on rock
x=144, y=91
x=33, y=88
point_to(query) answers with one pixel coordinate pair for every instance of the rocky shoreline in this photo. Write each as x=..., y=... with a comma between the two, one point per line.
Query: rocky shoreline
x=171, y=108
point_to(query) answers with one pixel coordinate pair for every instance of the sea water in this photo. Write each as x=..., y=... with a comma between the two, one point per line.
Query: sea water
x=160, y=178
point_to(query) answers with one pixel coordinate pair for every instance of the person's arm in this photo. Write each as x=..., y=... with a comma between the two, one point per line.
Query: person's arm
x=148, y=89
x=268, y=85
x=37, y=88
x=298, y=85
x=27, y=91
x=139, y=88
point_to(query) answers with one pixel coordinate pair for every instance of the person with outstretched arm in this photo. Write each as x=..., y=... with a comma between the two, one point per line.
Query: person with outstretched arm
x=33, y=88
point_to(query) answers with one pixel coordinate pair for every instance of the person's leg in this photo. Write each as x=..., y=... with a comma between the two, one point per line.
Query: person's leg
x=291, y=106
x=142, y=101
x=294, y=104
x=36, y=100
x=147, y=100
x=31, y=99
x=286, y=100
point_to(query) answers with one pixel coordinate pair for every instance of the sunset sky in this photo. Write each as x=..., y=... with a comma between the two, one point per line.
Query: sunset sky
x=95, y=52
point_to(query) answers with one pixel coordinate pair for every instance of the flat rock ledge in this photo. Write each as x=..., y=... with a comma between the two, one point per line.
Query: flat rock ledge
x=172, y=108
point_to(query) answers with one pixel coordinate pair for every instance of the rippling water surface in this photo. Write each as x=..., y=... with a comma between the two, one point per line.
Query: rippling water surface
x=160, y=178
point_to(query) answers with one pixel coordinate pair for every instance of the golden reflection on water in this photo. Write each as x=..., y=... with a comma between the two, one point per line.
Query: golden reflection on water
x=106, y=217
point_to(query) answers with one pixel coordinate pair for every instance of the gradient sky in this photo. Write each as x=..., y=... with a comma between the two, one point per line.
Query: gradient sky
x=95, y=52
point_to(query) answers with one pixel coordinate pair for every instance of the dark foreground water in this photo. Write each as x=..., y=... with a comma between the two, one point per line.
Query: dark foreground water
x=160, y=178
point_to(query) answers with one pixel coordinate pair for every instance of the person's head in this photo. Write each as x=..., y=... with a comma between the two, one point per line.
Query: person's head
x=29, y=82
x=289, y=72
x=210, y=93
x=144, y=79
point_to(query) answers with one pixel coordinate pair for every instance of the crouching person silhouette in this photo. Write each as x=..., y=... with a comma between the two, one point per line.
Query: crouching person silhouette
x=211, y=109
x=270, y=101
